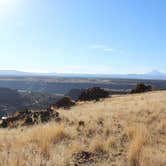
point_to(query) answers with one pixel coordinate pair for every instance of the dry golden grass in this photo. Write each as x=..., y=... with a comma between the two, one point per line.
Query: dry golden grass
x=127, y=130
x=44, y=136
x=140, y=137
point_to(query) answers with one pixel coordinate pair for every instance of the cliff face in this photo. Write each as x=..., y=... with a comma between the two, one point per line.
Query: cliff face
x=12, y=101
x=74, y=93
x=9, y=96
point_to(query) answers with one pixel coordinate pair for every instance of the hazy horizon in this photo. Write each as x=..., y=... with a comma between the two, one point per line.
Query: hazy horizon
x=54, y=72
x=95, y=37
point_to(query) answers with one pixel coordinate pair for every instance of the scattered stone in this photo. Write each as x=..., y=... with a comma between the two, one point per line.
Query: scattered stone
x=81, y=123
x=100, y=122
x=88, y=158
x=83, y=157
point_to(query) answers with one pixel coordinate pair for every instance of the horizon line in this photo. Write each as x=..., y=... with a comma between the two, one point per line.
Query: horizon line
x=79, y=73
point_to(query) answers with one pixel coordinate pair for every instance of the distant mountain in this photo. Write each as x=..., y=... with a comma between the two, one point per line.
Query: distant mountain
x=151, y=75
x=155, y=72
x=22, y=73
x=11, y=72
x=156, y=75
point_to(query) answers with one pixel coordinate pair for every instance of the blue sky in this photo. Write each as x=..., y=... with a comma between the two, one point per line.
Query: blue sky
x=83, y=36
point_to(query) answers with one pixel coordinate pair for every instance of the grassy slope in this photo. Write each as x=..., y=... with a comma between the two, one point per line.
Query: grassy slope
x=128, y=130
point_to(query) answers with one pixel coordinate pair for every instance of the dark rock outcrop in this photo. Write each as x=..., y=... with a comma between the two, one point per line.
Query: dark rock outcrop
x=29, y=118
x=64, y=102
x=140, y=88
x=94, y=93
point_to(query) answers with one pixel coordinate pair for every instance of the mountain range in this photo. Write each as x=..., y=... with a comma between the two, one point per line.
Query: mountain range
x=151, y=75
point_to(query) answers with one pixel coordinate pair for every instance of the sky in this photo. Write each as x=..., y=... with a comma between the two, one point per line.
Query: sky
x=83, y=36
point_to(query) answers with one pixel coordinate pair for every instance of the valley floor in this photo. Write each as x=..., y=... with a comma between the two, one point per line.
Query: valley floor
x=127, y=130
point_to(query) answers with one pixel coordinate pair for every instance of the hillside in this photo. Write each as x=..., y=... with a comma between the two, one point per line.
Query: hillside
x=62, y=85
x=127, y=130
